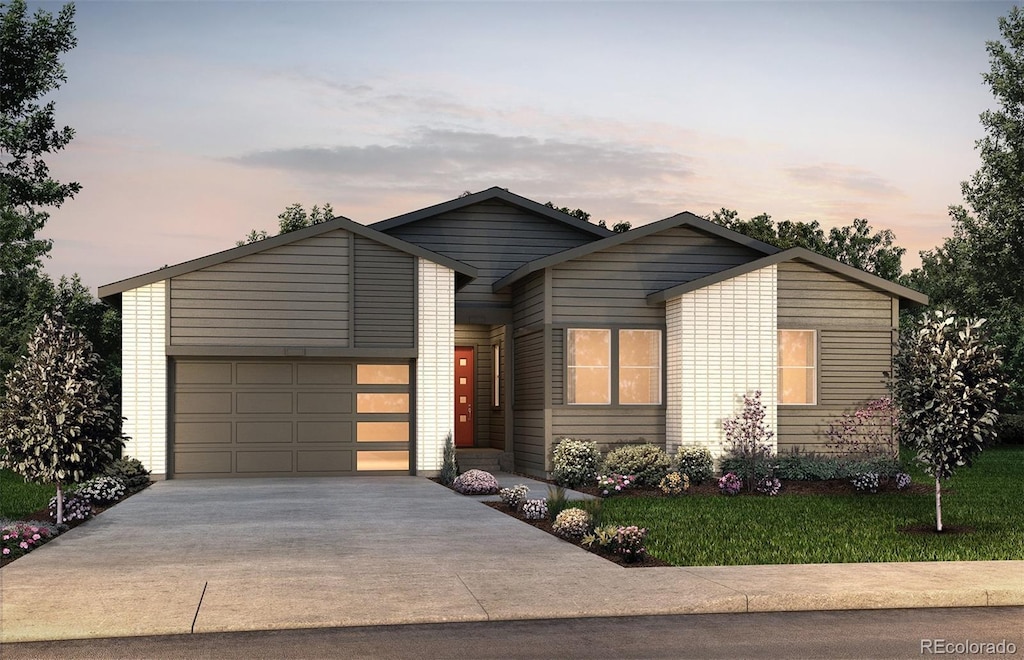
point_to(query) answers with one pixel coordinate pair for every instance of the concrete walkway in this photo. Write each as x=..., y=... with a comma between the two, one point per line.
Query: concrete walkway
x=234, y=555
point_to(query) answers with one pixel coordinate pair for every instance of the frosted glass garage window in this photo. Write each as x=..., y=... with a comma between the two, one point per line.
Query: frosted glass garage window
x=589, y=366
x=382, y=374
x=797, y=367
x=639, y=367
x=382, y=402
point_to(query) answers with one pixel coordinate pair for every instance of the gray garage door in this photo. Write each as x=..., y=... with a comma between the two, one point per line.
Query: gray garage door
x=290, y=417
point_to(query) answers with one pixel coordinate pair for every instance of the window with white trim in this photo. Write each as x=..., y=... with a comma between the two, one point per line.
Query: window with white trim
x=798, y=371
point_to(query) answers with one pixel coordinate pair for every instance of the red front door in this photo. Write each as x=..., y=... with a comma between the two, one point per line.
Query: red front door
x=464, y=377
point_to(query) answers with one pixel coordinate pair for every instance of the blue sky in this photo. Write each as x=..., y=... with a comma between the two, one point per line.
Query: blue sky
x=197, y=121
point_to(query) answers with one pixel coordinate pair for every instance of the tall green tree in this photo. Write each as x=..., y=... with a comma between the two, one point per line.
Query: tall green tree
x=979, y=271
x=30, y=70
x=856, y=245
x=294, y=217
x=618, y=227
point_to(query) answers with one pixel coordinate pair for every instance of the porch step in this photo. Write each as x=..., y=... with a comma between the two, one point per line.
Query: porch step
x=479, y=458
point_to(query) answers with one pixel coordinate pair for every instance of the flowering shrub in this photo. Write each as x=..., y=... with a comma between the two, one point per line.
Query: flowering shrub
x=649, y=463
x=17, y=538
x=572, y=523
x=475, y=482
x=868, y=430
x=603, y=536
x=674, y=484
x=866, y=482
x=514, y=496
x=102, y=490
x=629, y=542
x=535, y=509
x=696, y=463
x=75, y=508
x=610, y=484
x=575, y=462
x=751, y=440
x=730, y=484
x=902, y=480
x=769, y=486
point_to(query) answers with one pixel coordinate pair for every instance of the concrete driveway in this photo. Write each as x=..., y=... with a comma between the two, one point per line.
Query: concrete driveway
x=265, y=554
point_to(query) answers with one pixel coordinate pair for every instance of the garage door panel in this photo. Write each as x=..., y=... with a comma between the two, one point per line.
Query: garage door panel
x=313, y=403
x=204, y=462
x=264, y=417
x=198, y=403
x=325, y=461
x=187, y=433
x=264, y=432
x=264, y=374
x=333, y=432
x=263, y=403
x=263, y=461
x=324, y=374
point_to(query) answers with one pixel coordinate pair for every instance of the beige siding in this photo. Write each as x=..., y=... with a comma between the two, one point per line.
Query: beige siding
x=855, y=326
x=613, y=283
x=435, y=366
x=144, y=374
x=722, y=345
x=295, y=295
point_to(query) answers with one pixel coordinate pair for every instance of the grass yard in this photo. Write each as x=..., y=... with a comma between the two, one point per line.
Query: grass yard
x=798, y=529
x=18, y=498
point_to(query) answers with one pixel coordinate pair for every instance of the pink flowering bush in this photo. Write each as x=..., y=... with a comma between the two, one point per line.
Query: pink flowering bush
x=730, y=484
x=870, y=430
x=475, y=482
x=629, y=542
x=610, y=484
x=19, y=538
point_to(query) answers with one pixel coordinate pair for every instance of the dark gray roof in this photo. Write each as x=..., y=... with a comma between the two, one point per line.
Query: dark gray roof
x=466, y=271
x=803, y=254
x=486, y=195
x=685, y=219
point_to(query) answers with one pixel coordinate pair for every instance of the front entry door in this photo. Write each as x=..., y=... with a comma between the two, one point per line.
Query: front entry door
x=464, y=402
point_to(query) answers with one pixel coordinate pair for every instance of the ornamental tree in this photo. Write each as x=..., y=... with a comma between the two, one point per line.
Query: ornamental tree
x=947, y=384
x=58, y=423
x=751, y=440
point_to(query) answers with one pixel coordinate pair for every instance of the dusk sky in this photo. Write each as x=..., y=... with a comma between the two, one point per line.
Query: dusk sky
x=198, y=121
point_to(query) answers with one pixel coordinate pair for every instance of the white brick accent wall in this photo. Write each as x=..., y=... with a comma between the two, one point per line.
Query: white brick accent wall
x=722, y=344
x=144, y=374
x=435, y=364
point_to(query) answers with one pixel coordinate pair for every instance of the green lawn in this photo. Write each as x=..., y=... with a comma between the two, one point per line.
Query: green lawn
x=797, y=529
x=18, y=498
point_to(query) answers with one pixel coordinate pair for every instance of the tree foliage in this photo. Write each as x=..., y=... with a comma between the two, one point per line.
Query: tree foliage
x=856, y=245
x=293, y=218
x=979, y=270
x=58, y=423
x=947, y=383
x=30, y=70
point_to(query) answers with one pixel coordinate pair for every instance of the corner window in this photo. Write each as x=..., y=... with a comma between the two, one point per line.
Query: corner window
x=589, y=366
x=797, y=367
x=639, y=367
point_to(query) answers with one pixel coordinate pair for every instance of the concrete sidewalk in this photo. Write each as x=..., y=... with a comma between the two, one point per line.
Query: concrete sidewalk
x=235, y=555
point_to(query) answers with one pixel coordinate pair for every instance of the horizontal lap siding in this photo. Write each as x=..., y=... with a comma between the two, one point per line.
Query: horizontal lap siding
x=384, y=294
x=557, y=366
x=855, y=332
x=610, y=427
x=295, y=295
x=529, y=438
x=495, y=238
x=529, y=301
x=612, y=284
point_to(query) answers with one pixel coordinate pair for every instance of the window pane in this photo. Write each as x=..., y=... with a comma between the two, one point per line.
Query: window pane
x=382, y=402
x=382, y=432
x=382, y=460
x=797, y=366
x=639, y=367
x=589, y=360
x=382, y=374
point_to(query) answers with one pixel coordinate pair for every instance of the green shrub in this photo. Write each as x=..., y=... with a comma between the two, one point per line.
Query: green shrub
x=648, y=463
x=799, y=466
x=449, y=464
x=129, y=470
x=1010, y=429
x=696, y=463
x=575, y=463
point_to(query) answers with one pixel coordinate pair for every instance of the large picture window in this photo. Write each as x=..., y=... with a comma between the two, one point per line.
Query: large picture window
x=639, y=367
x=589, y=366
x=797, y=367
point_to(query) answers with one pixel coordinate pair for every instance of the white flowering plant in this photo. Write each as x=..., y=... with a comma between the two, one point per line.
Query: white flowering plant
x=75, y=508
x=514, y=496
x=535, y=509
x=572, y=524
x=475, y=482
x=102, y=490
x=865, y=482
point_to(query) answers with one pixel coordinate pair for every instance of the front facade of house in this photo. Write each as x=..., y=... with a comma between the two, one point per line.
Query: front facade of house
x=345, y=349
